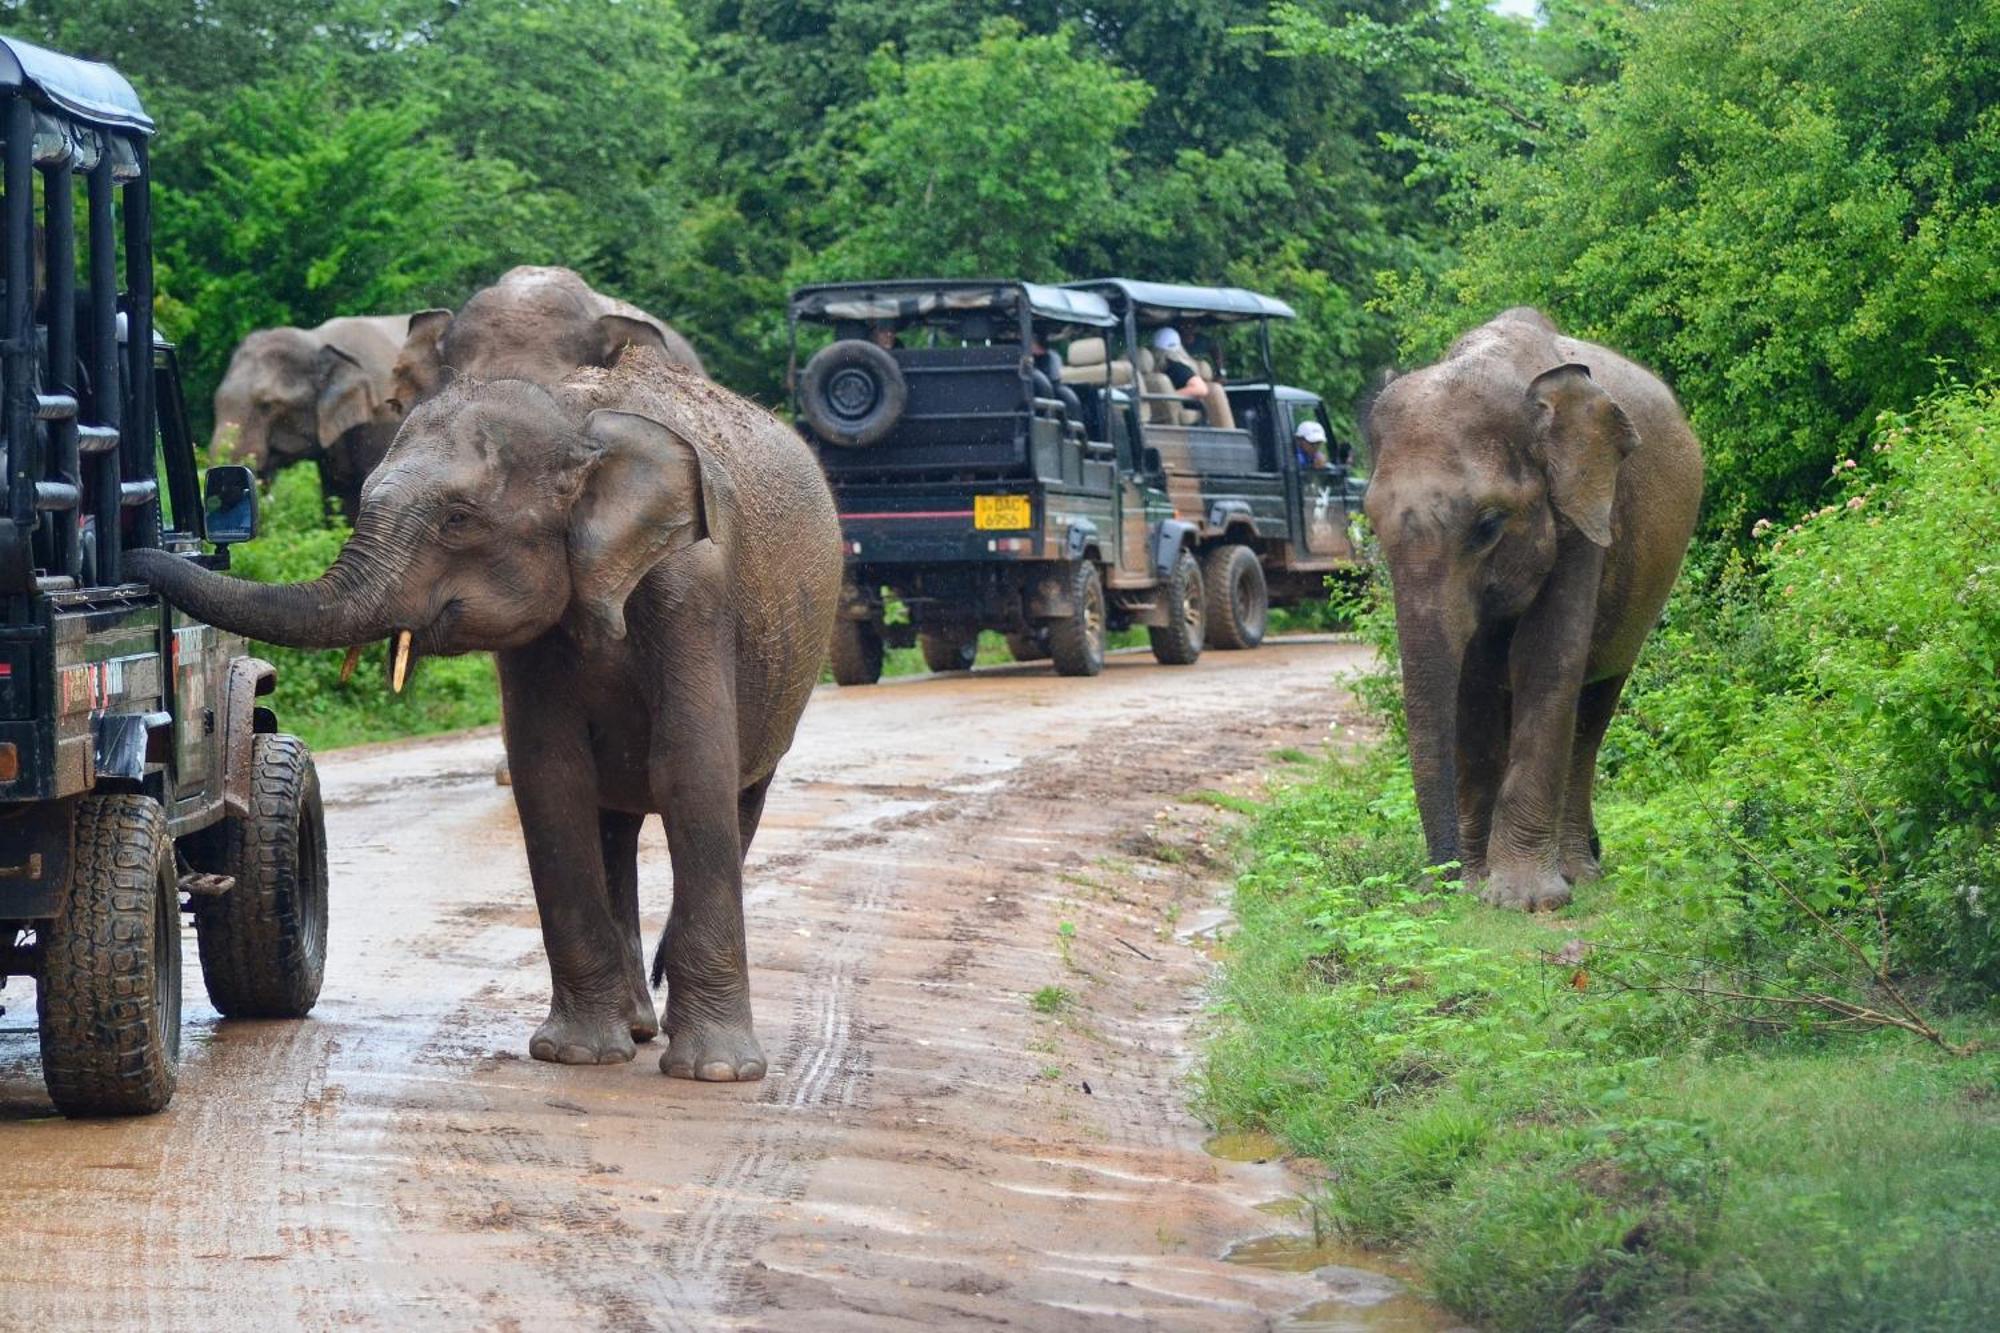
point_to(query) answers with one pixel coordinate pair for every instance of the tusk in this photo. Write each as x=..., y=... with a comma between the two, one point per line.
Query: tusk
x=347, y=667
x=401, y=672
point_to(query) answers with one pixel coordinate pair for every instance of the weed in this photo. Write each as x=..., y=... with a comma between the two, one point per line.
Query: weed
x=1051, y=1000
x=1222, y=800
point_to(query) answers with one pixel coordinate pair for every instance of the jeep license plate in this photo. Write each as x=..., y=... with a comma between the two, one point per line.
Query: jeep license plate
x=1001, y=511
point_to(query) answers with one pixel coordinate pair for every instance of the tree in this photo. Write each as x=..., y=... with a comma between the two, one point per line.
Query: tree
x=1792, y=219
x=302, y=210
x=996, y=161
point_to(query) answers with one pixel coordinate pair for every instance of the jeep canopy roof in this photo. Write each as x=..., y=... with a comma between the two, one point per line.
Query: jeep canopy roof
x=82, y=89
x=1166, y=302
x=908, y=300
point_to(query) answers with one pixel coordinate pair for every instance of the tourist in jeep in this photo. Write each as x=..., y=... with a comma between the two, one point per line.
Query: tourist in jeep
x=1309, y=447
x=1178, y=366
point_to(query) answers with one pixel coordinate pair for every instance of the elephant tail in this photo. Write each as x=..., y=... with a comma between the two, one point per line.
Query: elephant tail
x=660, y=958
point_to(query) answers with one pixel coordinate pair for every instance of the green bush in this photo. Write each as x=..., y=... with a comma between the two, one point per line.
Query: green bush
x=1830, y=717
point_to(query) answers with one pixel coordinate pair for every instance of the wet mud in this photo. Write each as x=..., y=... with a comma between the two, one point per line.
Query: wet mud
x=980, y=920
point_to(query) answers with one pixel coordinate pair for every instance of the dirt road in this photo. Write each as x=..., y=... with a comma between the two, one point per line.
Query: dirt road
x=978, y=915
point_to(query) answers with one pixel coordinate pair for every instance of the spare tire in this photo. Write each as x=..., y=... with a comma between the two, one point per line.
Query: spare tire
x=852, y=393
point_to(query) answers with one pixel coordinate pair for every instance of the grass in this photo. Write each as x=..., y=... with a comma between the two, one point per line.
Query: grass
x=1551, y=1150
x=1051, y=1000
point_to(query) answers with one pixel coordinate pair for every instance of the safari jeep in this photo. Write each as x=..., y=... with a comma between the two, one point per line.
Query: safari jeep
x=1266, y=527
x=139, y=776
x=977, y=492
x=982, y=494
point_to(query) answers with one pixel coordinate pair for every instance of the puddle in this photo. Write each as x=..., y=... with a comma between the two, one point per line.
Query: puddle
x=1244, y=1148
x=1289, y=1206
x=1360, y=1297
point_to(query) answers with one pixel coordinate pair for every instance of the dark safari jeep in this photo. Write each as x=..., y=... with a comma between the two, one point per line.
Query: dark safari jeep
x=988, y=485
x=136, y=767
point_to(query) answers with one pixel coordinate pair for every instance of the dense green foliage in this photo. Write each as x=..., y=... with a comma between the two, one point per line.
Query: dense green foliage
x=1792, y=218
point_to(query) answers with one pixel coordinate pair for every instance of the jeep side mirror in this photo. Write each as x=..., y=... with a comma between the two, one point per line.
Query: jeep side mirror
x=229, y=499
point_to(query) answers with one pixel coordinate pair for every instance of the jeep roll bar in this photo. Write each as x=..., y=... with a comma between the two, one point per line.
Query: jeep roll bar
x=69, y=119
x=1150, y=304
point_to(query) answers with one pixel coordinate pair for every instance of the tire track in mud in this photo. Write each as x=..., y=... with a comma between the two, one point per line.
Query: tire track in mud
x=707, y=1259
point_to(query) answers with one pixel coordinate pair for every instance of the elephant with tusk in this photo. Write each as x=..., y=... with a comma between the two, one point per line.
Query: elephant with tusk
x=656, y=562
x=1534, y=496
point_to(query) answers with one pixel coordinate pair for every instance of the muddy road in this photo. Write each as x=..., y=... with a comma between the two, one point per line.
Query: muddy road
x=979, y=915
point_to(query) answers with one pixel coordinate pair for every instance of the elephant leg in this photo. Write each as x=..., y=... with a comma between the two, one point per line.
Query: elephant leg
x=1594, y=707
x=1483, y=715
x=703, y=956
x=590, y=1009
x=750, y=812
x=1545, y=669
x=618, y=836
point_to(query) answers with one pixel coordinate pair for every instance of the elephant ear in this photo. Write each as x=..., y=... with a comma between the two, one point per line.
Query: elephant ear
x=649, y=493
x=346, y=395
x=1581, y=439
x=420, y=369
x=617, y=332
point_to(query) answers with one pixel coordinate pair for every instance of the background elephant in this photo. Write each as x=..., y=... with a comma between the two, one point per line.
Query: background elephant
x=656, y=561
x=292, y=395
x=535, y=324
x=1533, y=496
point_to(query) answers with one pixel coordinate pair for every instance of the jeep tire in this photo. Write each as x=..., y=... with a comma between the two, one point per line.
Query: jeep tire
x=856, y=653
x=1238, y=603
x=263, y=943
x=1076, y=642
x=1029, y=646
x=109, y=993
x=852, y=393
x=1179, y=641
x=945, y=651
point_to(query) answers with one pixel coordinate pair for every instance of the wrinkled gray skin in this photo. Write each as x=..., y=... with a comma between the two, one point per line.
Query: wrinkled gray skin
x=656, y=563
x=535, y=324
x=1533, y=496
x=313, y=395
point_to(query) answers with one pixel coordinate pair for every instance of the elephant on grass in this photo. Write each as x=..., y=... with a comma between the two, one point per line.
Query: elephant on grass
x=1533, y=495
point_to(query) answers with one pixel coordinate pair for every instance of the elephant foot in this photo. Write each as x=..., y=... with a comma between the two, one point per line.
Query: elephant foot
x=1581, y=866
x=714, y=1053
x=644, y=1018
x=1527, y=889
x=568, y=1040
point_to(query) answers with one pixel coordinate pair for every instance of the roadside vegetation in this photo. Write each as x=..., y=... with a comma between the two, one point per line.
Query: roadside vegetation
x=1750, y=1080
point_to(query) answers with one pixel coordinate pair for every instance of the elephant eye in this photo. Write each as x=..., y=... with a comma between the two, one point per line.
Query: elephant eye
x=1486, y=530
x=458, y=519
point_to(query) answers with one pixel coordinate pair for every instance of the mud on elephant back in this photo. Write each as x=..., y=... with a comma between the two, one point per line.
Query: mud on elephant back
x=655, y=562
x=1534, y=496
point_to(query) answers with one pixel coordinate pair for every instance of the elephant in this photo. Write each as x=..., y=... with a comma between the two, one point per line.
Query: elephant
x=656, y=563
x=1533, y=496
x=321, y=394
x=535, y=324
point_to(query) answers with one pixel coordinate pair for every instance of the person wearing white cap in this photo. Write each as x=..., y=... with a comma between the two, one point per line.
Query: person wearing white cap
x=1177, y=365
x=1309, y=445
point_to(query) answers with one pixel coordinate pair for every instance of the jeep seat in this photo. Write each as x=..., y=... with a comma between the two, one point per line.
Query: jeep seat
x=1086, y=365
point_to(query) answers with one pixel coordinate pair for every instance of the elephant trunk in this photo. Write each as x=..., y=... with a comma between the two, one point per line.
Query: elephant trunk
x=1432, y=656
x=344, y=606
